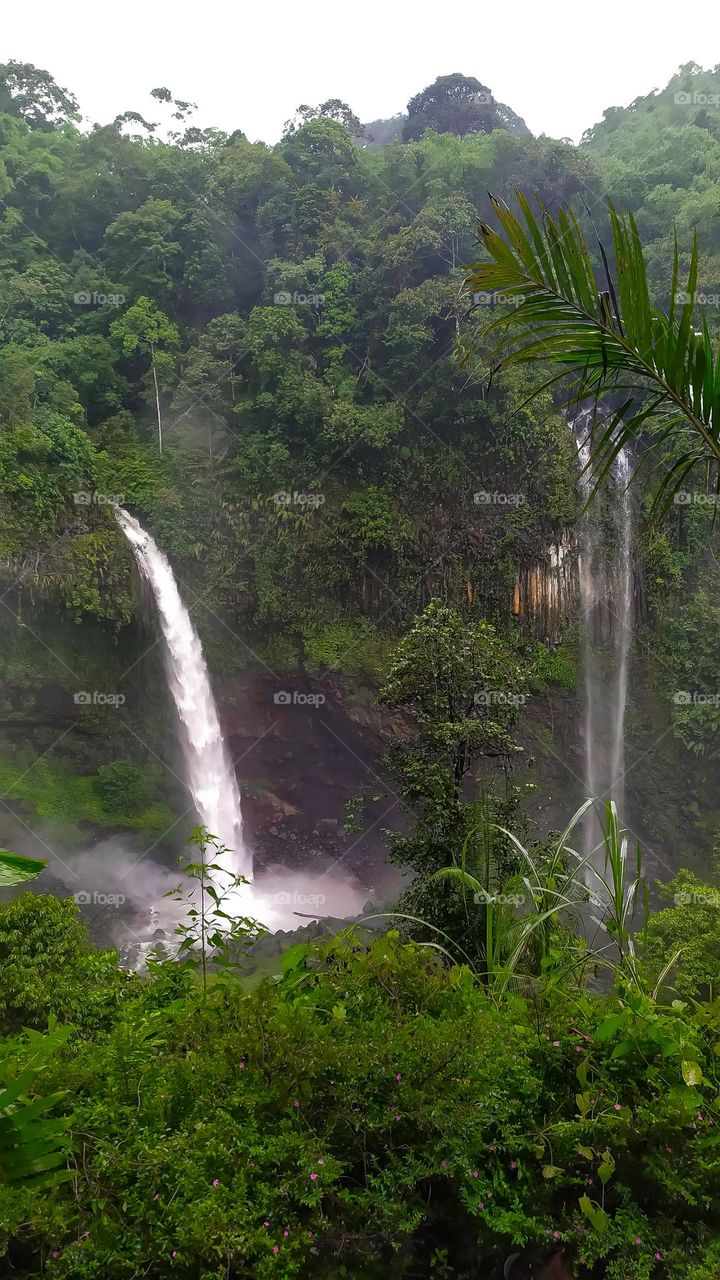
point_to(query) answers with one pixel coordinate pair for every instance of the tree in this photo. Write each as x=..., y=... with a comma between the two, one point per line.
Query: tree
x=458, y=104
x=144, y=328
x=31, y=93
x=460, y=687
x=605, y=332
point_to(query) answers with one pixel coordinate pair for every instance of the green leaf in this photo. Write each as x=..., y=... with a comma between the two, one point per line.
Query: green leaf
x=14, y=869
x=692, y=1075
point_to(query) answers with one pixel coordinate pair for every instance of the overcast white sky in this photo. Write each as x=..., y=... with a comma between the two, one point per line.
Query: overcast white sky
x=558, y=63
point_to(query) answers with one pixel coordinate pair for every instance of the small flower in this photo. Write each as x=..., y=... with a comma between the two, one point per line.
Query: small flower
x=578, y=1048
x=481, y=1204
x=658, y=1257
x=556, y=1044
x=398, y=1076
x=313, y=1177
x=618, y=1107
x=174, y=1253
x=321, y=1161
x=513, y=1164
x=396, y=1117
x=55, y=1253
x=309, y=1235
x=556, y=1235
x=216, y=1182
x=242, y=1066
x=276, y=1248
x=286, y=1233
x=475, y=1173
x=443, y=1164
x=493, y=1146
x=296, y=1102
x=638, y=1240
x=266, y=1223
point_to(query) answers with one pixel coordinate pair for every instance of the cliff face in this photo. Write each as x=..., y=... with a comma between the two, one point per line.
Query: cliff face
x=545, y=593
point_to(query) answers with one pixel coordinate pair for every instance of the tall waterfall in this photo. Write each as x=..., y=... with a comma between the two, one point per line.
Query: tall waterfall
x=211, y=777
x=606, y=605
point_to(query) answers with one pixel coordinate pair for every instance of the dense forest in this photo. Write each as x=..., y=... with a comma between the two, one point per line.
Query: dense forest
x=278, y=359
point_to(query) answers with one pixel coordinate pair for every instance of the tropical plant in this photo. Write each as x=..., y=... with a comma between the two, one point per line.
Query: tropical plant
x=32, y=1147
x=214, y=933
x=606, y=333
x=15, y=869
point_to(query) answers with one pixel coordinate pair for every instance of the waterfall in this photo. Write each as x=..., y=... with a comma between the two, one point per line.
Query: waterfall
x=211, y=777
x=606, y=606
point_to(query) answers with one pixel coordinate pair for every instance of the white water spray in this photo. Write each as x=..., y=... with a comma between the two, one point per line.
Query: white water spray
x=211, y=777
x=606, y=602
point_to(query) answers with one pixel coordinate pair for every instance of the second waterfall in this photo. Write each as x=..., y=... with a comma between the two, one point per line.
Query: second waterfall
x=606, y=607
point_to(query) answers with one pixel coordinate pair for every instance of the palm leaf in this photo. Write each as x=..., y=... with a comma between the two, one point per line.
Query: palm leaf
x=15, y=869
x=605, y=333
x=33, y=1147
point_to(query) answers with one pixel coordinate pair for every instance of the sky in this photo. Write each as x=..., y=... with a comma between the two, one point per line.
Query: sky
x=558, y=63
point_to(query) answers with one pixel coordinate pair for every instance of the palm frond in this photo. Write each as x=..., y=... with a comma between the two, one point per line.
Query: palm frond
x=605, y=332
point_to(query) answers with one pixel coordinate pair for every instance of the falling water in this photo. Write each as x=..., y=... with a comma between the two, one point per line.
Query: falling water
x=211, y=777
x=606, y=601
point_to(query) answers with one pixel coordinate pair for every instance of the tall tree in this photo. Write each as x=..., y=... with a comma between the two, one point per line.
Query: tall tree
x=145, y=329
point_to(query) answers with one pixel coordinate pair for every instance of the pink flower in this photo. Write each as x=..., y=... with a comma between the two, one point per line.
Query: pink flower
x=174, y=1253
x=398, y=1076
x=475, y=1173
x=321, y=1161
x=658, y=1257
x=216, y=1182
x=266, y=1223
x=443, y=1164
x=313, y=1177
x=578, y=1048
x=242, y=1066
x=55, y=1253
x=618, y=1107
x=556, y=1044
x=295, y=1102
x=286, y=1233
x=513, y=1164
x=309, y=1235
x=481, y=1204
x=396, y=1117
x=276, y=1248
x=638, y=1240
x=556, y=1235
